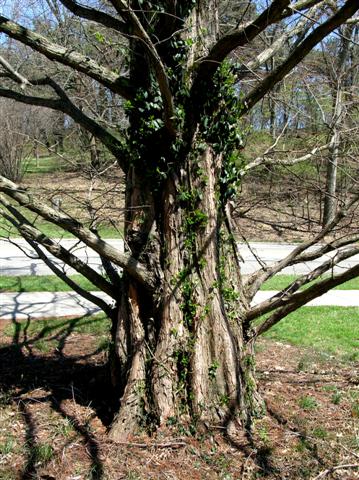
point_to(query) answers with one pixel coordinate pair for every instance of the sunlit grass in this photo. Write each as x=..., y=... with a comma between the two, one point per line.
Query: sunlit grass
x=45, y=334
x=280, y=282
x=43, y=283
x=332, y=330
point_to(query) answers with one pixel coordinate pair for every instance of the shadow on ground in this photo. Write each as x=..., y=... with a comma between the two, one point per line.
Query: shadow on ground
x=83, y=378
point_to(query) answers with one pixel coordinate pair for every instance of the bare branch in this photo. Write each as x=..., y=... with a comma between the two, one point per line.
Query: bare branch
x=301, y=298
x=353, y=21
x=32, y=233
x=349, y=9
x=161, y=75
x=286, y=294
x=105, y=307
x=53, y=103
x=263, y=160
x=63, y=104
x=279, y=43
x=13, y=73
x=131, y=265
x=255, y=280
x=27, y=232
x=239, y=38
x=330, y=470
x=96, y=16
x=67, y=56
x=299, y=6
x=326, y=248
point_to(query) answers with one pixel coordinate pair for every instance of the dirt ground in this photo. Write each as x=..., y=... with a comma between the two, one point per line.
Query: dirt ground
x=54, y=415
x=86, y=199
x=271, y=207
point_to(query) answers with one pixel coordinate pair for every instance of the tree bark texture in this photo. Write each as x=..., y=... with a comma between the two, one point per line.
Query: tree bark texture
x=185, y=351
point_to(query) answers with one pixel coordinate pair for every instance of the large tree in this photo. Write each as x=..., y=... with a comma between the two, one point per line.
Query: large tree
x=184, y=328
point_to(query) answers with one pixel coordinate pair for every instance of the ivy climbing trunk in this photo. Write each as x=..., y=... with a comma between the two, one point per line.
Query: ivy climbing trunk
x=185, y=350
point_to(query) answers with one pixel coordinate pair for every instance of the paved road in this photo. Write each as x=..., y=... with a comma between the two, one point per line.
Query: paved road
x=18, y=258
x=26, y=305
x=62, y=304
x=21, y=260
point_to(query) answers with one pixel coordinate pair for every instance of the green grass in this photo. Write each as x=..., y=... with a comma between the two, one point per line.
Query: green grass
x=43, y=283
x=51, y=329
x=331, y=330
x=307, y=402
x=50, y=335
x=41, y=453
x=48, y=164
x=279, y=282
x=326, y=330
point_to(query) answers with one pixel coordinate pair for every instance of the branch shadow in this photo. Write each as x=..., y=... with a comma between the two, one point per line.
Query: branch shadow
x=78, y=377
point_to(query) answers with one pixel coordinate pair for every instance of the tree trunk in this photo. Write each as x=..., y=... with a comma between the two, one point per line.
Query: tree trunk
x=330, y=198
x=184, y=349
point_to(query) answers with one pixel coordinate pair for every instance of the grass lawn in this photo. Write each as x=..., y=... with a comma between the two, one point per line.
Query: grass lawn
x=279, y=282
x=326, y=330
x=331, y=330
x=47, y=164
x=41, y=283
x=46, y=335
x=94, y=324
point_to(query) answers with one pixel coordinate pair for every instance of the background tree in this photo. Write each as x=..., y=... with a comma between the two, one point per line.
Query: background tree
x=184, y=328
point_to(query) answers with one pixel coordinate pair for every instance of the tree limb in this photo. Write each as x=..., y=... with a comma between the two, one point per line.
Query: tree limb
x=138, y=31
x=238, y=38
x=58, y=251
x=255, y=280
x=286, y=294
x=105, y=307
x=301, y=298
x=109, y=139
x=349, y=9
x=280, y=42
x=67, y=56
x=29, y=233
x=13, y=73
x=326, y=248
x=291, y=161
x=330, y=470
x=130, y=264
x=96, y=16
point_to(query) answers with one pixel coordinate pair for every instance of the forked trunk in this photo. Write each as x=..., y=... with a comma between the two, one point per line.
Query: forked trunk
x=184, y=349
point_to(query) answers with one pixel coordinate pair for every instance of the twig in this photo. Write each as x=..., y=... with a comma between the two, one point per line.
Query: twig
x=326, y=472
x=349, y=451
x=177, y=444
x=13, y=73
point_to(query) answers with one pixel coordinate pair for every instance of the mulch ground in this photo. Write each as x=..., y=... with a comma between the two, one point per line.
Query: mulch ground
x=54, y=416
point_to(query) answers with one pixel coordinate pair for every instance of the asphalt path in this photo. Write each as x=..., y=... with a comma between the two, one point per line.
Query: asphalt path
x=24, y=305
x=17, y=258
